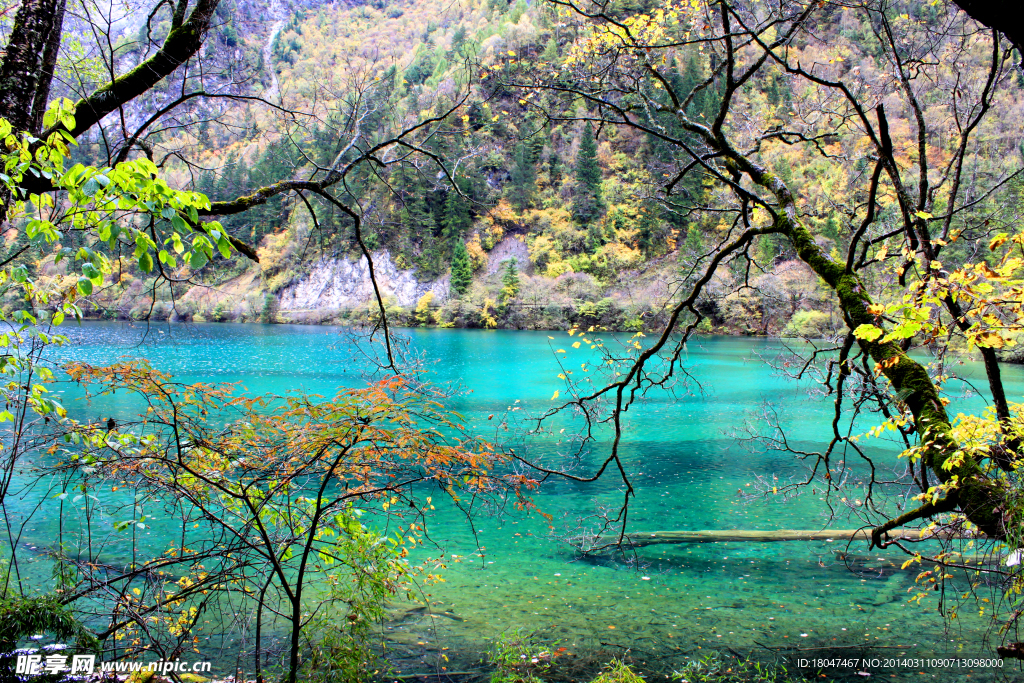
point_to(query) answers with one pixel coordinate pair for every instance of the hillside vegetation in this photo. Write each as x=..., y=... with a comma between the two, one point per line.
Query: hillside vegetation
x=554, y=221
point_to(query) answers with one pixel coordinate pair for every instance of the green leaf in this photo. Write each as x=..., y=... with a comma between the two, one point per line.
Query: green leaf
x=84, y=286
x=197, y=260
x=142, y=243
x=146, y=262
x=905, y=330
x=867, y=332
x=73, y=173
x=179, y=223
x=167, y=258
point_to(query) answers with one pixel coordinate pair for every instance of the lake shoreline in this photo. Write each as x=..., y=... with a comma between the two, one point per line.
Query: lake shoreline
x=408, y=320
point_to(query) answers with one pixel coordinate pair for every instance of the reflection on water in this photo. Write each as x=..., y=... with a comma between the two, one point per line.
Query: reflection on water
x=664, y=602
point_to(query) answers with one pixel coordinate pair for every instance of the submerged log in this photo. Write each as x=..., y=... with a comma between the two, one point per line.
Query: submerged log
x=716, y=536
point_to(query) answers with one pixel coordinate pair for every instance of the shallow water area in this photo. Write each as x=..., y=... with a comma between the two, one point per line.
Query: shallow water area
x=663, y=603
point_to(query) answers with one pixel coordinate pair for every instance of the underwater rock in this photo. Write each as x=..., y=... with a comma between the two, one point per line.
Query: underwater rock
x=889, y=590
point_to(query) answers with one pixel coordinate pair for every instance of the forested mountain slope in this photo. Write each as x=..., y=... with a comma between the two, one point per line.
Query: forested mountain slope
x=555, y=221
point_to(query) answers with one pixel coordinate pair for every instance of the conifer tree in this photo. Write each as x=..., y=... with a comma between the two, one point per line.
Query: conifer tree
x=510, y=283
x=458, y=40
x=462, y=269
x=414, y=214
x=587, y=204
x=455, y=218
x=524, y=178
x=595, y=236
x=651, y=231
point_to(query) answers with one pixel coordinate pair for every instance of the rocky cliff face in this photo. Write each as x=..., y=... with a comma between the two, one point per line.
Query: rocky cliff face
x=336, y=284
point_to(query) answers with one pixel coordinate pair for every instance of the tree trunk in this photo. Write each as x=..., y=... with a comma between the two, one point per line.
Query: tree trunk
x=20, y=71
x=48, y=66
x=715, y=536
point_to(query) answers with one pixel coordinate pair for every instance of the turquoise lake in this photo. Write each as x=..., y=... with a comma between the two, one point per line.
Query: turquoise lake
x=690, y=469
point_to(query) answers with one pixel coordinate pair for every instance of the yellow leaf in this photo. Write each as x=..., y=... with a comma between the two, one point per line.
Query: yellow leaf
x=998, y=240
x=869, y=332
x=575, y=345
x=554, y=395
x=990, y=340
x=987, y=272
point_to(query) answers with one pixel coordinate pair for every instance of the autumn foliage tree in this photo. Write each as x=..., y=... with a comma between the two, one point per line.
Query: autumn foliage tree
x=292, y=493
x=908, y=260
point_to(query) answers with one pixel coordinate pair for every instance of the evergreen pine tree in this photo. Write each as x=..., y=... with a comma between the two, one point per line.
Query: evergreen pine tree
x=510, y=283
x=414, y=215
x=539, y=135
x=555, y=167
x=455, y=218
x=458, y=39
x=587, y=205
x=462, y=269
x=416, y=224
x=693, y=244
x=650, y=230
x=550, y=53
x=524, y=178
x=595, y=236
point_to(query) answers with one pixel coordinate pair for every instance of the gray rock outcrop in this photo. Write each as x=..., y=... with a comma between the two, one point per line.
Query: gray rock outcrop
x=336, y=284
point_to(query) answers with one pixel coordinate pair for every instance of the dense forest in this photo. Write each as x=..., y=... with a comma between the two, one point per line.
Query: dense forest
x=848, y=176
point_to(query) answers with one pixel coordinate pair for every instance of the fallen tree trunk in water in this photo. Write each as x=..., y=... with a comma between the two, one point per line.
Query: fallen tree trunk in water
x=716, y=536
